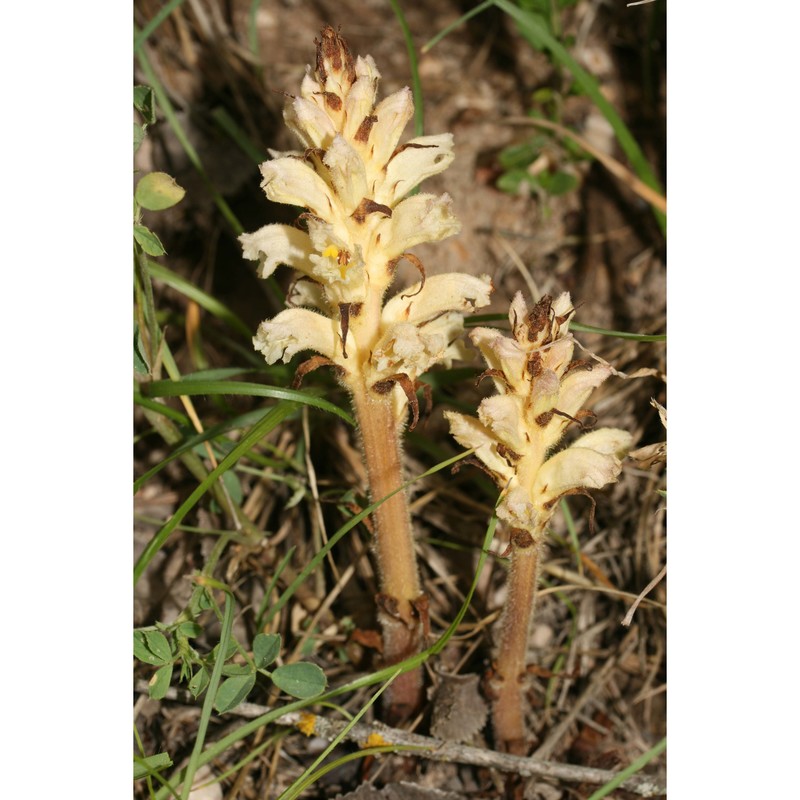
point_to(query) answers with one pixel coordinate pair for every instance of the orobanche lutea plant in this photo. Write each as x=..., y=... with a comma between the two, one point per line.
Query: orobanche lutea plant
x=540, y=392
x=353, y=179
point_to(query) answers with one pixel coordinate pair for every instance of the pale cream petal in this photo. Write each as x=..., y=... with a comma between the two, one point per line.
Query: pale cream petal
x=470, y=433
x=573, y=468
x=310, y=87
x=422, y=218
x=517, y=511
x=309, y=122
x=308, y=294
x=360, y=100
x=544, y=397
x=292, y=181
x=273, y=245
x=484, y=339
x=393, y=113
x=346, y=173
x=452, y=291
x=578, y=384
x=517, y=314
x=503, y=415
x=413, y=349
x=505, y=354
x=609, y=441
x=293, y=331
x=562, y=305
x=418, y=159
x=367, y=68
x=558, y=354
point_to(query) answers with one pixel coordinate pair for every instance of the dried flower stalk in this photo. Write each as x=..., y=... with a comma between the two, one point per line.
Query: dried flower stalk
x=353, y=178
x=540, y=392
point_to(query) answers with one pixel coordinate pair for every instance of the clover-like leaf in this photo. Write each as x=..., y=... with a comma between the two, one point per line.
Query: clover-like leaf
x=152, y=647
x=191, y=630
x=301, y=680
x=157, y=191
x=233, y=691
x=266, y=647
x=199, y=682
x=145, y=103
x=148, y=241
x=159, y=683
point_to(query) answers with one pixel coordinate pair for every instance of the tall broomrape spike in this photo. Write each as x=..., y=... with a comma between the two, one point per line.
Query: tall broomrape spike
x=540, y=392
x=353, y=178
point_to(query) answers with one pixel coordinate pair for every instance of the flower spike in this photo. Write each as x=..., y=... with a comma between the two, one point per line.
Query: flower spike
x=353, y=175
x=540, y=393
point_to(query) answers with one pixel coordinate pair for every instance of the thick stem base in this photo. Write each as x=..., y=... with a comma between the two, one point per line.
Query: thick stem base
x=509, y=678
x=401, y=605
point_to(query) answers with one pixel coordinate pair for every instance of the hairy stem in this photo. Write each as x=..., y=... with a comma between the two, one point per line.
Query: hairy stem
x=400, y=600
x=508, y=680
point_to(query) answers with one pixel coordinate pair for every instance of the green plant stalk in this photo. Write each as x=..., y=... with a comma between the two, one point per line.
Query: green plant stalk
x=145, y=305
x=189, y=290
x=208, y=703
x=367, y=751
x=400, y=600
x=509, y=676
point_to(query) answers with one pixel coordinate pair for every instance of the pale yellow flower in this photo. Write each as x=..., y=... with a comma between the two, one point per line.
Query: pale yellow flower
x=353, y=177
x=541, y=391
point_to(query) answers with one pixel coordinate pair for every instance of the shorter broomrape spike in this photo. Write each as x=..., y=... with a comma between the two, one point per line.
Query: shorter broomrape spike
x=539, y=396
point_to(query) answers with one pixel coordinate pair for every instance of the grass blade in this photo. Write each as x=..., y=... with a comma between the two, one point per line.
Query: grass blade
x=626, y=773
x=270, y=421
x=151, y=26
x=413, y=63
x=243, y=389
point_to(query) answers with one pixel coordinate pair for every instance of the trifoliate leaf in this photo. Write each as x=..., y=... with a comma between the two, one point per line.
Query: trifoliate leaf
x=191, y=630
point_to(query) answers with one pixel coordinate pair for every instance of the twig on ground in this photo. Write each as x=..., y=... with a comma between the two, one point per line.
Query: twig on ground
x=628, y=618
x=439, y=750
